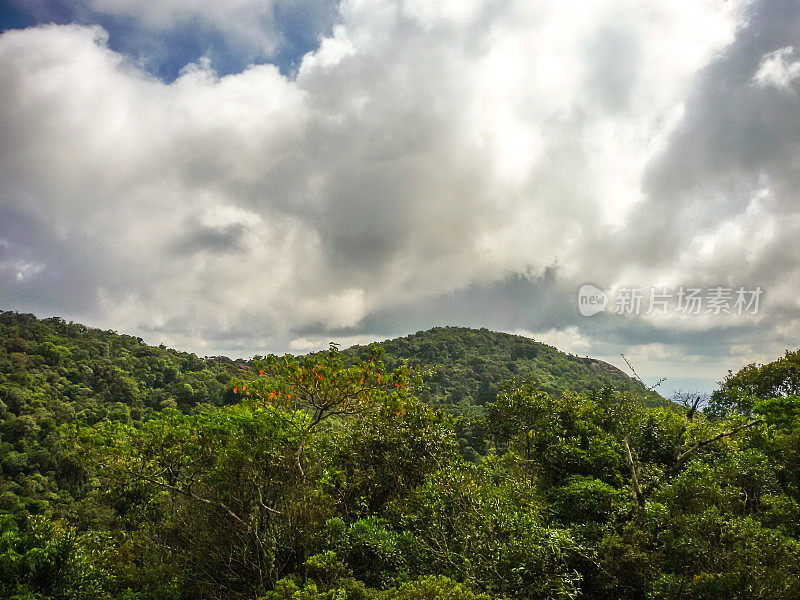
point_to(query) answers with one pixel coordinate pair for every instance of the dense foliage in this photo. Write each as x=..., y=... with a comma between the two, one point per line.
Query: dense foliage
x=326, y=477
x=54, y=373
x=741, y=391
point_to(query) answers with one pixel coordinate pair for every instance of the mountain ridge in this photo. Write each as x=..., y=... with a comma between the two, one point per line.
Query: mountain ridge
x=469, y=366
x=91, y=367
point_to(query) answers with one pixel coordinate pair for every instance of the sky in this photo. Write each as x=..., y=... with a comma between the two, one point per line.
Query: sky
x=606, y=176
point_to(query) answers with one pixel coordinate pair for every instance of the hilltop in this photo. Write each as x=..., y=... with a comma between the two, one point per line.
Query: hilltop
x=467, y=367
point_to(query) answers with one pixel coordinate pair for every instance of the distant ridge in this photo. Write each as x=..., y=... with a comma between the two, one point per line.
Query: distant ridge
x=469, y=366
x=90, y=374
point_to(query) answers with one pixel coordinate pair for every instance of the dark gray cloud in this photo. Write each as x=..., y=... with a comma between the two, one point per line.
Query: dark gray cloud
x=738, y=139
x=204, y=238
x=41, y=270
x=517, y=301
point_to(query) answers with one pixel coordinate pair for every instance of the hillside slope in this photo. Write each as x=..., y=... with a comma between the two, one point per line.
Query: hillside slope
x=84, y=370
x=467, y=367
x=54, y=373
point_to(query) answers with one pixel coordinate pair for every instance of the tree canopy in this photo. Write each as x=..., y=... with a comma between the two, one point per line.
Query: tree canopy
x=329, y=477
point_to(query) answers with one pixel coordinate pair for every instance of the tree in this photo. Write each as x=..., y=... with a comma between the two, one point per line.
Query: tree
x=237, y=488
x=49, y=559
x=221, y=485
x=308, y=393
x=739, y=392
x=691, y=437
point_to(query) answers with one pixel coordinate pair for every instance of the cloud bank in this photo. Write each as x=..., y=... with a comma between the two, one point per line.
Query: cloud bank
x=467, y=162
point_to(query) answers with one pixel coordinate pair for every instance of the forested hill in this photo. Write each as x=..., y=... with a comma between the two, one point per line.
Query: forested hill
x=468, y=366
x=70, y=371
x=77, y=372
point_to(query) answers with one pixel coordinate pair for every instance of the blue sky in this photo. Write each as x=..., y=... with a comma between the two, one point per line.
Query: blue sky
x=266, y=176
x=165, y=51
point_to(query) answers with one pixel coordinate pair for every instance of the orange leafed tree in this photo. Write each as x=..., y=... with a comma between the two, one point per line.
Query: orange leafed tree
x=322, y=386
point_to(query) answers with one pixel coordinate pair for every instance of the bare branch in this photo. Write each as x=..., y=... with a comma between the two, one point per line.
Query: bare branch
x=190, y=494
x=649, y=388
x=637, y=491
x=684, y=455
x=680, y=459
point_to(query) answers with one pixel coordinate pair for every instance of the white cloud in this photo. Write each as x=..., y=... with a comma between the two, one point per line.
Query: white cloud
x=421, y=149
x=776, y=69
x=567, y=340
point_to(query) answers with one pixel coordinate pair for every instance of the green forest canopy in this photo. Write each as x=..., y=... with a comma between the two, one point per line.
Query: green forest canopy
x=131, y=471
